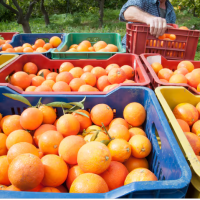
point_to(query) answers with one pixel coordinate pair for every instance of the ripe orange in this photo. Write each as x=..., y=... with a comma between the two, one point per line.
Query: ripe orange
x=82, y=48
x=140, y=146
x=84, y=121
x=136, y=131
x=69, y=148
x=39, y=43
x=68, y=125
x=89, y=78
x=31, y=118
x=10, y=50
x=184, y=27
x=88, y=68
x=21, y=148
x=42, y=129
x=55, y=41
x=28, y=50
x=43, y=88
x=116, y=76
x=129, y=71
x=52, y=76
x=195, y=128
x=74, y=172
x=47, y=46
x=182, y=71
x=73, y=46
x=40, y=50
x=3, y=148
x=76, y=83
x=49, y=114
x=115, y=175
x=18, y=136
x=36, y=189
x=117, y=121
x=61, y=86
x=44, y=71
x=49, y=142
x=87, y=88
x=26, y=171
x=140, y=174
x=48, y=83
x=4, y=165
x=37, y=81
x=98, y=72
x=178, y=78
x=186, y=64
x=30, y=68
x=19, y=49
x=55, y=171
x=194, y=141
x=101, y=136
x=111, y=48
x=2, y=120
x=11, y=124
x=111, y=66
x=94, y=157
x=184, y=125
x=89, y=183
x=135, y=114
x=86, y=42
x=50, y=189
x=76, y=72
x=6, y=46
x=65, y=77
x=20, y=79
x=62, y=189
x=165, y=74
x=193, y=78
x=156, y=67
x=102, y=82
x=134, y=163
x=66, y=67
x=99, y=45
x=101, y=113
x=120, y=150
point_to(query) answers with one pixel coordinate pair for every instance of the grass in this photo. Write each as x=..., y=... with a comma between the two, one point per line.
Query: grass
x=89, y=23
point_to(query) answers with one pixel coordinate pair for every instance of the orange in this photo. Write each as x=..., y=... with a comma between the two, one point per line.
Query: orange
x=99, y=45
x=3, y=148
x=74, y=172
x=198, y=107
x=156, y=67
x=101, y=113
x=49, y=114
x=31, y=118
x=40, y=50
x=19, y=49
x=76, y=72
x=172, y=37
x=184, y=27
x=195, y=128
x=129, y=71
x=62, y=189
x=120, y=150
x=19, y=88
x=102, y=82
x=89, y=78
x=61, y=86
x=6, y=46
x=68, y=125
x=69, y=148
x=39, y=43
x=92, y=129
x=73, y=46
x=86, y=43
x=28, y=50
x=140, y=146
x=111, y=48
x=66, y=67
x=12, y=188
x=34, y=47
x=182, y=71
x=184, y=125
x=55, y=41
x=136, y=131
x=178, y=78
x=31, y=76
x=94, y=157
x=91, y=49
x=11, y=50
x=109, y=87
x=162, y=37
x=198, y=87
x=20, y=79
x=186, y=64
x=42, y=129
x=18, y=136
x=2, y=120
x=76, y=83
x=135, y=114
x=140, y=174
x=21, y=148
x=194, y=141
x=26, y=171
x=11, y=124
x=3, y=187
x=193, y=78
x=37, y=81
x=55, y=171
x=134, y=163
x=101, y=136
x=4, y=165
x=49, y=142
x=117, y=121
x=44, y=71
x=98, y=72
x=36, y=189
x=82, y=48
x=89, y=183
x=111, y=66
x=50, y=189
x=85, y=122
x=43, y=88
x=87, y=88
x=65, y=77
x=52, y=76
x=47, y=46
x=30, y=68
x=115, y=175
x=119, y=132
x=186, y=112
x=88, y=68
x=48, y=83
x=165, y=74
x=116, y=76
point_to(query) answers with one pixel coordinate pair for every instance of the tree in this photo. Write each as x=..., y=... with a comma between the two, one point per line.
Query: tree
x=44, y=12
x=101, y=12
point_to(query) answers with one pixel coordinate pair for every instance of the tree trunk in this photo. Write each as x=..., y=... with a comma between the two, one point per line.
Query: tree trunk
x=44, y=12
x=101, y=8
x=26, y=26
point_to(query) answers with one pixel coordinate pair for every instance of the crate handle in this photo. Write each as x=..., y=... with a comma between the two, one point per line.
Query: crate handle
x=155, y=137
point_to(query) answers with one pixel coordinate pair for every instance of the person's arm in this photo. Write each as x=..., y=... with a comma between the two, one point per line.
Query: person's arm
x=157, y=25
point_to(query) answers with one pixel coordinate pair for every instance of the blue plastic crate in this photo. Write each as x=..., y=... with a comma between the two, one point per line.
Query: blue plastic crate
x=167, y=162
x=20, y=39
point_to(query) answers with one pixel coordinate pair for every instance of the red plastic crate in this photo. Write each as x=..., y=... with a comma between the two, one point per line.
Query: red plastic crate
x=43, y=62
x=170, y=64
x=139, y=40
x=8, y=36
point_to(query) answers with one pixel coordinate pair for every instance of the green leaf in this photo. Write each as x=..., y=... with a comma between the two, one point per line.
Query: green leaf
x=94, y=136
x=60, y=104
x=18, y=98
x=79, y=104
x=80, y=113
x=42, y=74
x=106, y=142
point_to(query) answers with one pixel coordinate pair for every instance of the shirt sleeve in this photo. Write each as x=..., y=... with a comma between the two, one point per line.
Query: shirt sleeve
x=173, y=17
x=137, y=3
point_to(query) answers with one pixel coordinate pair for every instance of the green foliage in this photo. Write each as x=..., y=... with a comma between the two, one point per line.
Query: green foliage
x=5, y=14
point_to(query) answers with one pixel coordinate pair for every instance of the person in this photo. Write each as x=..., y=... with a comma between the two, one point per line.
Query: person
x=155, y=13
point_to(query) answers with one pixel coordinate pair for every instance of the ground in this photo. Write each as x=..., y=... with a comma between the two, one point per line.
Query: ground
x=88, y=22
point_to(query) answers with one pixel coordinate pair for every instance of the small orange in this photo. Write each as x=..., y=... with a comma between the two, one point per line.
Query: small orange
x=186, y=64
x=49, y=114
x=136, y=131
x=76, y=72
x=184, y=125
x=82, y=48
x=184, y=28
x=2, y=120
x=48, y=83
x=3, y=148
x=26, y=45
x=52, y=76
x=43, y=88
x=6, y=46
x=19, y=49
x=47, y=46
x=55, y=41
x=86, y=42
x=88, y=68
x=62, y=189
x=76, y=83
x=165, y=74
x=195, y=128
x=10, y=50
x=89, y=78
x=30, y=68
x=182, y=71
x=111, y=48
x=156, y=67
x=65, y=77
x=129, y=71
x=44, y=71
x=50, y=190
x=73, y=46
x=4, y=171
x=111, y=66
x=66, y=67
x=87, y=88
x=117, y=121
x=98, y=72
x=37, y=81
x=61, y=86
x=116, y=76
x=102, y=82
x=28, y=50
x=99, y=45
x=39, y=43
x=41, y=50
x=178, y=78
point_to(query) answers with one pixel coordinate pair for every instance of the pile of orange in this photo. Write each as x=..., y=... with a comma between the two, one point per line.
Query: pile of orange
x=188, y=117
x=71, y=78
x=185, y=73
x=75, y=153
x=2, y=42
x=40, y=46
x=86, y=46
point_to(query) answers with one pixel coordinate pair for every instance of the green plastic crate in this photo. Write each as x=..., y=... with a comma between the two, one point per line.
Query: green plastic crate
x=76, y=38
